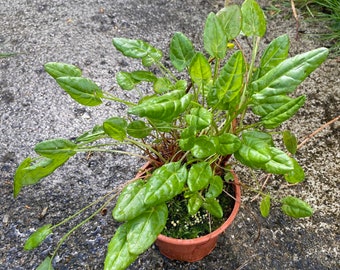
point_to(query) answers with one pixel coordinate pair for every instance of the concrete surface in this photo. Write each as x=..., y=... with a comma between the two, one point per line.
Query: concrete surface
x=33, y=108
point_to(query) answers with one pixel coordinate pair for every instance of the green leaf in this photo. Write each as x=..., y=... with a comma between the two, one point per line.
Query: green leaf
x=203, y=147
x=283, y=113
x=296, y=208
x=181, y=51
x=199, y=118
x=144, y=229
x=187, y=140
x=274, y=54
x=138, y=129
x=227, y=144
x=213, y=206
x=38, y=237
x=215, y=39
x=143, y=76
x=116, y=127
x=279, y=163
x=230, y=20
x=138, y=49
x=215, y=187
x=266, y=105
x=253, y=19
x=295, y=176
x=290, y=141
x=90, y=136
x=130, y=203
x=194, y=203
x=46, y=264
x=165, y=110
x=118, y=256
x=199, y=69
x=56, y=147
x=82, y=90
x=57, y=70
x=162, y=85
x=165, y=183
x=29, y=174
x=257, y=137
x=285, y=77
x=265, y=206
x=199, y=176
x=230, y=80
x=125, y=80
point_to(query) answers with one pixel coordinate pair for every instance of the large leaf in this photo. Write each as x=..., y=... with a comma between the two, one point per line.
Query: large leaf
x=214, y=207
x=199, y=176
x=199, y=118
x=195, y=202
x=31, y=171
x=118, y=256
x=285, y=77
x=199, y=69
x=38, y=237
x=165, y=183
x=279, y=163
x=295, y=207
x=138, y=49
x=56, y=70
x=165, y=110
x=138, y=129
x=283, y=113
x=144, y=229
x=227, y=144
x=230, y=19
x=253, y=19
x=56, y=147
x=264, y=106
x=274, y=54
x=181, y=51
x=82, y=90
x=215, y=187
x=215, y=39
x=187, y=140
x=116, y=127
x=130, y=203
x=203, y=147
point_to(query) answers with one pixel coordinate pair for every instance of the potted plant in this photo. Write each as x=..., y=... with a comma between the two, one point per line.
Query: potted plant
x=209, y=111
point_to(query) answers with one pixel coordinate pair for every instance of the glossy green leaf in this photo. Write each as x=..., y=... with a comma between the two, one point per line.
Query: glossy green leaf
x=214, y=207
x=265, y=206
x=90, y=136
x=143, y=76
x=265, y=106
x=138, y=129
x=230, y=20
x=118, y=256
x=144, y=229
x=165, y=183
x=199, y=176
x=56, y=70
x=215, y=187
x=31, y=171
x=285, y=77
x=130, y=203
x=274, y=54
x=125, y=80
x=199, y=118
x=162, y=85
x=203, y=147
x=165, y=110
x=187, y=140
x=199, y=69
x=116, y=127
x=296, y=208
x=290, y=141
x=253, y=19
x=279, y=163
x=82, y=90
x=295, y=176
x=283, y=113
x=181, y=51
x=215, y=39
x=56, y=147
x=227, y=144
x=138, y=49
x=38, y=237
x=257, y=137
x=195, y=202
x=230, y=80
x=46, y=264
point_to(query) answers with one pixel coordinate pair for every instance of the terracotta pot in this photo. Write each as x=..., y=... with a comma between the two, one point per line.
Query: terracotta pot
x=191, y=250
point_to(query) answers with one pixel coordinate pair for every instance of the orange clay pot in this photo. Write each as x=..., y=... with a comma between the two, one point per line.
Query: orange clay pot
x=191, y=250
